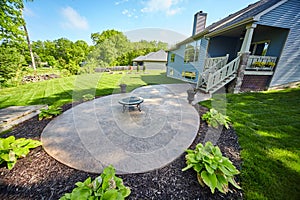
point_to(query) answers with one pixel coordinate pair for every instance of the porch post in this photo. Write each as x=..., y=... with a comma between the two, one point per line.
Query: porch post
x=248, y=38
x=240, y=72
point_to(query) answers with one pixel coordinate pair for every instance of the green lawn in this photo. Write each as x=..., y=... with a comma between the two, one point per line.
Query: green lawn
x=64, y=90
x=268, y=126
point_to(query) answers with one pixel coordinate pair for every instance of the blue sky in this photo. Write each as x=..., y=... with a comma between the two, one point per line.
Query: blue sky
x=77, y=19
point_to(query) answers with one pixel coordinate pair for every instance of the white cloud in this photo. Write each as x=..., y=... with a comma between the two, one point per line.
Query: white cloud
x=170, y=7
x=129, y=13
x=73, y=19
x=120, y=2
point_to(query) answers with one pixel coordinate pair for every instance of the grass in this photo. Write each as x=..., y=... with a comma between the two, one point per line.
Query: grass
x=60, y=91
x=268, y=126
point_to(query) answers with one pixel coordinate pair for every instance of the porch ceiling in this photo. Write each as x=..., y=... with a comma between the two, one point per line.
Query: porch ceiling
x=236, y=32
x=241, y=30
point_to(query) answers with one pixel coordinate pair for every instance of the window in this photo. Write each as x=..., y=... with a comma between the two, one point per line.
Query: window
x=259, y=48
x=172, y=57
x=192, y=51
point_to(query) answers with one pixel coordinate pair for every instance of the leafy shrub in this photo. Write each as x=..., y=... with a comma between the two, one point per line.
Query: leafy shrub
x=12, y=149
x=87, y=97
x=216, y=119
x=65, y=73
x=105, y=186
x=213, y=169
x=49, y=113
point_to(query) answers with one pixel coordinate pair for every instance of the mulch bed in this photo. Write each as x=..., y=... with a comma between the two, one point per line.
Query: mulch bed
x=39, y=176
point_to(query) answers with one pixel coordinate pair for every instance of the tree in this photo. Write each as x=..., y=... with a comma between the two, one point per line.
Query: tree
x=107, y=51
x=11, y=20
x=99, y=38
x=10, y=61
x=12, y=24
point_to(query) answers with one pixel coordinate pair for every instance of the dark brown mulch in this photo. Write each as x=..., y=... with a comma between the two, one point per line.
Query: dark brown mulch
x=39, y=176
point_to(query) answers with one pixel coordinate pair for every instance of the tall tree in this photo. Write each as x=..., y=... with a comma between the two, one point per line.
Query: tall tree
x=11, y=20
x=108, y=50
x=98, y=38
x=29, y=44
x=12, y=24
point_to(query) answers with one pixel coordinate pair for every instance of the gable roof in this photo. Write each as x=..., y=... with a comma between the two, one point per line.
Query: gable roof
x=249, y=12
x=246, y=15
x=160, y=56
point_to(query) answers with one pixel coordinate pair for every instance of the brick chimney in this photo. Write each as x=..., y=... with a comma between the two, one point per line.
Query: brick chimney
x=199, y=22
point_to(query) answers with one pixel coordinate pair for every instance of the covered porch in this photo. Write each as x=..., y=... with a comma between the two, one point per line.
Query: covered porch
x=218, y=60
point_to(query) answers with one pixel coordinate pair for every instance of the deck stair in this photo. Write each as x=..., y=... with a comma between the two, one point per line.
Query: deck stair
x=213, y=79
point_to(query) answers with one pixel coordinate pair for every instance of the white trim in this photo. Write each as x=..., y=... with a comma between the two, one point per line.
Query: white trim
x=228, y=28
x=262, y=73
x=258, y=16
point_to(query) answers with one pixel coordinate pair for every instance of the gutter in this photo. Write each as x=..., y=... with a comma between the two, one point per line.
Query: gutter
x=207, y=34
x=235, y=25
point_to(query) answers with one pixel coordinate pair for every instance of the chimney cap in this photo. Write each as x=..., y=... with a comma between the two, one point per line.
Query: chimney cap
x=201, y=12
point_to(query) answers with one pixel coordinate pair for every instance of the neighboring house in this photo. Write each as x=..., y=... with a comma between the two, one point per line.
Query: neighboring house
x=153, y=60
x=253, y=49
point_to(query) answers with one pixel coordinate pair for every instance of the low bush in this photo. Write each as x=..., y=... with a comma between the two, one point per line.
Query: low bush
x=49, y=113
x=216, y=119
x=213, y=169
x=88, y=97
x=105, y=186
x=12, y=149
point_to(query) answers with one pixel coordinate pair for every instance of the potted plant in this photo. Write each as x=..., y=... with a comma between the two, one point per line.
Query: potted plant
x=123, y=87
x=191, y=95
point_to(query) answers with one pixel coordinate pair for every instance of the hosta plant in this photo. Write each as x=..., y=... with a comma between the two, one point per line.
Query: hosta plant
x=104, y=187
x=213, y=169
x=88, y=97
x=11, y=149
x=49, y=113
x=216, y=119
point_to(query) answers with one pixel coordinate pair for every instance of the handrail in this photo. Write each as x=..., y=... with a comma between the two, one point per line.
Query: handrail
x=215, y=62
x=223, y=73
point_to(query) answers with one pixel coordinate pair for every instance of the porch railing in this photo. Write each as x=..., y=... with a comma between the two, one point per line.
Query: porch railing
x=216, y=62
x=222, y=74
x=261, y=63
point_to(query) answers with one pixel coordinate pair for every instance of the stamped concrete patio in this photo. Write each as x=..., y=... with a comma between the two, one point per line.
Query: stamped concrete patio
x=97, y=133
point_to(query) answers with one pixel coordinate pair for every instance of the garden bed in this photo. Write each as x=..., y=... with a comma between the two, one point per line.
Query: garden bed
x=39, y=176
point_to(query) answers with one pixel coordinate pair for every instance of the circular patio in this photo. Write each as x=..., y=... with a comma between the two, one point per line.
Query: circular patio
x=97, y=133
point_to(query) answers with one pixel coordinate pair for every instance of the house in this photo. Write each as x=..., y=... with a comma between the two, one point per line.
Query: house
x=253, y=49
x=153, y=60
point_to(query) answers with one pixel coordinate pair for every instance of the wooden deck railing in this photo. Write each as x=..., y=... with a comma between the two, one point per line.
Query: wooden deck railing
x=261, y=63
x=220, y=75
x=216, y=62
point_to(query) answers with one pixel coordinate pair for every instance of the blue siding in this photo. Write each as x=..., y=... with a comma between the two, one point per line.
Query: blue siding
x=287, y=16
x=178, y=66
x=221, y=45
x=203, y=54
x=277, y=37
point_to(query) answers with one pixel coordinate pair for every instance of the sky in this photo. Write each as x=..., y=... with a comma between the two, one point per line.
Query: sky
x=165, y=20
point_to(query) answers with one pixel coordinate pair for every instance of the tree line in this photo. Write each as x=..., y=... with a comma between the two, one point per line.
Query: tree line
x=18, y=53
